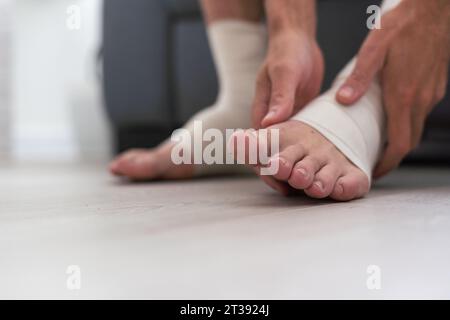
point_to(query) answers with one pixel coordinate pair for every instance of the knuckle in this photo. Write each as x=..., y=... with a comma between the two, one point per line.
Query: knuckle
x=300, y=148
x=280, y=69
x=406, y=96
x=280, y=97
x=359, y=76
x=372, y=51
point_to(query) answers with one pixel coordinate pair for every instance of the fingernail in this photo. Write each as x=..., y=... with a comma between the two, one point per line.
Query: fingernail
x=319, y=184
x=346, y=92
x=270, y=114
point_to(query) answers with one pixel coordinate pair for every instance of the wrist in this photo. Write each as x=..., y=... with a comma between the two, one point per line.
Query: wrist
x=291, y=16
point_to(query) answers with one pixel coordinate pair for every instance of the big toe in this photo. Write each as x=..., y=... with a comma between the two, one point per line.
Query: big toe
x=352, y=185
x=136, y=165
x=117, y=165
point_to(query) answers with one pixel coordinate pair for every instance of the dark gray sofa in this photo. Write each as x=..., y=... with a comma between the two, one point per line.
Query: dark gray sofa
x=158, y=69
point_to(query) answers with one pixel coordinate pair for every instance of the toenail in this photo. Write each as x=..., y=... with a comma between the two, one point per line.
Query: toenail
x=340, y=189
x=303, y=172
x=319, y=185
x=282, y=161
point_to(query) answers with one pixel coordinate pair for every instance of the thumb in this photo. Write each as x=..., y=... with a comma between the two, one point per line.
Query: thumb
x=284, y=84
x=368, y=63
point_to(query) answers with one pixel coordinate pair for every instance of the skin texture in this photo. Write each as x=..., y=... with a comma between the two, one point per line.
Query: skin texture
x=411, y=54
x=292, y=73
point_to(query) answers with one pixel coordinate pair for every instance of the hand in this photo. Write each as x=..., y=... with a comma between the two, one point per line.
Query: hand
x=290, y=77
x=411, y=54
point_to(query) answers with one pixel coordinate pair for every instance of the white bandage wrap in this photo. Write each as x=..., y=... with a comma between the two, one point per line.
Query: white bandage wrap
x=239, y=49
x=357, y=131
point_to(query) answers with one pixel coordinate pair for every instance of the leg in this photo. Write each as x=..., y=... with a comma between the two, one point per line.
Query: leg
x=246, y=10
x=238, y=42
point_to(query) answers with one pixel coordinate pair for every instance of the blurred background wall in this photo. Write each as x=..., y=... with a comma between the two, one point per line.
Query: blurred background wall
x=56, y=110
x=5, y=76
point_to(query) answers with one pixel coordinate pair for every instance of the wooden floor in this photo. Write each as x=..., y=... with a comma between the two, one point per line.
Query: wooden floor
x=219, y=239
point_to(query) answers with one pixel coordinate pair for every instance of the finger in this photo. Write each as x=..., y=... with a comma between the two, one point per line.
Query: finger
x=261, y=99
x=399, y=135
x=369, y=61
x=284, y=83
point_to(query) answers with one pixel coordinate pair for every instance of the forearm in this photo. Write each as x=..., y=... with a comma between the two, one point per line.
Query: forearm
x=291, y=15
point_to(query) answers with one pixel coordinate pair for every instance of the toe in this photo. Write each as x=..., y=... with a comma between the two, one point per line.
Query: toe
x=303, y=173
x=354, y=184
x=114, y=167
x=276, y=185
x=286, y=160
x=137, y=165
x=119, y=164
x=324, y=181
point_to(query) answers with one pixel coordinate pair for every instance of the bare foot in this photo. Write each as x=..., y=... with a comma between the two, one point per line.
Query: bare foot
x=144, y=164
x=308, y=161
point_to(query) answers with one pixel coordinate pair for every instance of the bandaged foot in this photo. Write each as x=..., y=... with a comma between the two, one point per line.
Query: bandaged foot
x=356, y=131
x=238, y=49
x=306, y=161
x=328, y=150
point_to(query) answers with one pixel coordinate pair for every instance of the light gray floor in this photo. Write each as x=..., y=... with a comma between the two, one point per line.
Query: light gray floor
x=227, y=238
